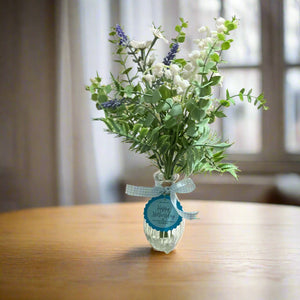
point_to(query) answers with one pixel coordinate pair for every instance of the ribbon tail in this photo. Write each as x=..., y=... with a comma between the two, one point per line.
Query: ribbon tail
x=186, y=215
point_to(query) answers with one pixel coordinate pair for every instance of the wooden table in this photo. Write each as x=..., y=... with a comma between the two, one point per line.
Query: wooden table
x=235, y=251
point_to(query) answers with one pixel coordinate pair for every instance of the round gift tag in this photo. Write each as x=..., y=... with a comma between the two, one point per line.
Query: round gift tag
x=160, y=214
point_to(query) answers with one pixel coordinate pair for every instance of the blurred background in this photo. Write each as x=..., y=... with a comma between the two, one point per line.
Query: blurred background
x=52, y=153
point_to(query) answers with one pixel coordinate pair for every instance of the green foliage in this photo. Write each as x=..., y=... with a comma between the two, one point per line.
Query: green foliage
x=156, y=119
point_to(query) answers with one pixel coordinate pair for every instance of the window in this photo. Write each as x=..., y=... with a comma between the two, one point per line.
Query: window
x=266, y=57
x=292, y=74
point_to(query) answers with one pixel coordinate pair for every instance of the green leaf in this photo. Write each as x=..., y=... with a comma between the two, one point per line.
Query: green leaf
x=107, y=123
x=205, y=91
x=143, y=133
x=197, y=114
x=184, y=25
x=192, y=130
x=180, y=61
x=176, y=110
x=215, y=57
x=225, y=103
x=171, y=123
x=164, y=147
x=220, y=114
x=149, y=119
x=204, y=103
x=181, y=38
x=147, y=97
x=126, y=71
x=210, y=64
x=107, y=89
x=200, y=62
x=156, y=96
x=227, y=94
x=169, y=101
x=102, y=98
x=230, y=26
x=165, y=92
x=225, y=45
x=154, y=134
x=215, y=80
x=163, y=106
x=137, y=88
x=178, y=28
x=190, y=105
x=260, y=97
x=95, y=97
x=136, y=129
x=221, y=36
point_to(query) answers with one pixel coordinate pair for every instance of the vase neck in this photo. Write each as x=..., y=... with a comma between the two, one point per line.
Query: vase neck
x=161, y=181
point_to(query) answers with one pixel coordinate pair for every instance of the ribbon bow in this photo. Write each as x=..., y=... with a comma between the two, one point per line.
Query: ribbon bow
x=184, y=186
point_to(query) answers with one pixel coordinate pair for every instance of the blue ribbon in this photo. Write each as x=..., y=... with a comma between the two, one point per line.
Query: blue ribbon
x=184, y=186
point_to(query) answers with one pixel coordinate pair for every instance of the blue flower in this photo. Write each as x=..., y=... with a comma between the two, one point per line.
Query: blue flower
x=113, y=104
x=122, y=36
x=171, y=55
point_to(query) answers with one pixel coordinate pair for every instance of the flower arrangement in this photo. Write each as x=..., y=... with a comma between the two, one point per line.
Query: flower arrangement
x=164, y=108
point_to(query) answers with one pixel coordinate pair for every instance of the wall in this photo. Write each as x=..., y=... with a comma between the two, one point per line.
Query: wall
x=27, y=108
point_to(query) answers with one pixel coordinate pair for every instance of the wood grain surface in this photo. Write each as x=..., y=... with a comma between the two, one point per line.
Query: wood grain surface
x=235, y=251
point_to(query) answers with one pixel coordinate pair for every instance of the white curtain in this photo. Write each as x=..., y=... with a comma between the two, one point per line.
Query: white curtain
x=78, y=180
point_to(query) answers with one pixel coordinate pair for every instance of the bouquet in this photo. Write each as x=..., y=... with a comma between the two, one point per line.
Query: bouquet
x=164, y=108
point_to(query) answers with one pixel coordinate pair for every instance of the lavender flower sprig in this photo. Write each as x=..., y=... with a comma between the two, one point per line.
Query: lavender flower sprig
x=122, y=35
x=171, y=55
x=113, y=104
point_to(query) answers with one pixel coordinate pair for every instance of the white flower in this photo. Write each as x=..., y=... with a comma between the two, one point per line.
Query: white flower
x=203, y=54
x=174, y=69
x=220, y=21
x=158, y=33
x=221, y=28
x=202, y=44
x=140, y=45
x=151, y=59
x=184, y=84
x=187, y=71
x=185, y=74
x=168, y=74
x=202, y=29
x=188, y=67
x=158, y=69
x=214, y=34
x=208, y=40
x=177, y=79
x=194, y=54
x=149, y=78
x=179, y=90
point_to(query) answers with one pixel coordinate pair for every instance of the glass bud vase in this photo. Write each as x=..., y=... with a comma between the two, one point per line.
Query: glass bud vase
x=164, y=240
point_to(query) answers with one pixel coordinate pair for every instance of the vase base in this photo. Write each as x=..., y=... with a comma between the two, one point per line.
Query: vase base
x=164, y=251
x=164, y=241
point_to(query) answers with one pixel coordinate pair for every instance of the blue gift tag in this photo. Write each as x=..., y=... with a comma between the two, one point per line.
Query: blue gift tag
x=160, y=214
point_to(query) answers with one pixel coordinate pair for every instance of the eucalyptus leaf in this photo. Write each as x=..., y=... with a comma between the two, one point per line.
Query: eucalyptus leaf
x=176, y=110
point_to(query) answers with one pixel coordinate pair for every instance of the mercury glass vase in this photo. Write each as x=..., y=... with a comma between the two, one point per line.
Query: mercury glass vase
x=164, y=240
